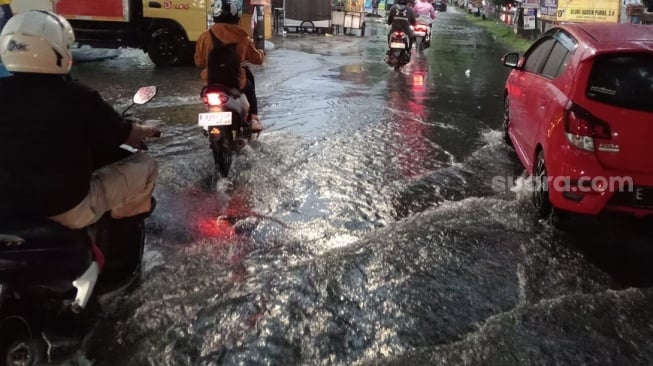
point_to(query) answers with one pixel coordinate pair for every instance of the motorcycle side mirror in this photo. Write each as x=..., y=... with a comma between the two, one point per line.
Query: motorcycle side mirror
x=143, y=95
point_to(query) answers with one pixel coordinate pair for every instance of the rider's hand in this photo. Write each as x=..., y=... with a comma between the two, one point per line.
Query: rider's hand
x=140, y=133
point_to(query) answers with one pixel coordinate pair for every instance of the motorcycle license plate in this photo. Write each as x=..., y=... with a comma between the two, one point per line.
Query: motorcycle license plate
x=420, y=34
x=397, y=45
x=214, y=119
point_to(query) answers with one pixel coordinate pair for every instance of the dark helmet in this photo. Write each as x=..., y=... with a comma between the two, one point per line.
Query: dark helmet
x=227, y=11
x=402, y=2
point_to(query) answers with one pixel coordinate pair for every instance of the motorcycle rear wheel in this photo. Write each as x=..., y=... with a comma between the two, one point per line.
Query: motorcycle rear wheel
x=223, y=161
x=17, y=347
x=223, y=150
x=420, y=43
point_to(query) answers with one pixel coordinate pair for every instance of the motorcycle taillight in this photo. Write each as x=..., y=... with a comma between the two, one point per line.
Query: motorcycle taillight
x=214, y=98
x=398, y=34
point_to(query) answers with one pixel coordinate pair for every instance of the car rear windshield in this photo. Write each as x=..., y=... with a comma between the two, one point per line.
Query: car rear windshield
x=623, y=80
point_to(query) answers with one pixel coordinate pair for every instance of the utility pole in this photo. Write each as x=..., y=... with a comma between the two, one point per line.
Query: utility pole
x=258, y=23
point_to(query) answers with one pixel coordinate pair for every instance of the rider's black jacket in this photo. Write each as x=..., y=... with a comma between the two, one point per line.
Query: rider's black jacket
x=53, y=133
x=402, y=18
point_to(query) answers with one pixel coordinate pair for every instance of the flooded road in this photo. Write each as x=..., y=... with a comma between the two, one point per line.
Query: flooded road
x=363, y=227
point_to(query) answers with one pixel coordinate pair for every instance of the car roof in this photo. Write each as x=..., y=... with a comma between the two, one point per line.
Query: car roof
x=612, y=36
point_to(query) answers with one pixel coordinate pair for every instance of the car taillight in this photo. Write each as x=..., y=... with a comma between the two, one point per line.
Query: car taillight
x=581, y=128
x=214, y=99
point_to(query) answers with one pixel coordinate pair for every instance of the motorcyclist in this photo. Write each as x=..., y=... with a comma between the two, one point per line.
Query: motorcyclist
x=424, y=8
x=58, y=137
x=423, y=11
x=401, y=16
x=226, y=16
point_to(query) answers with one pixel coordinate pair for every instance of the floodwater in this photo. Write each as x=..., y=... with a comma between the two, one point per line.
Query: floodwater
x=365, y=225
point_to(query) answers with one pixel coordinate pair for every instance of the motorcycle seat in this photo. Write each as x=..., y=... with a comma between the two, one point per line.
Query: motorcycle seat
x=36, y=233
x=43, y=248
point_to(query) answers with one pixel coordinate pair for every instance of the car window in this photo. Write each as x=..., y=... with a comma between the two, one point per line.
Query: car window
x=567, y=40
x=557, y=61
x=623, y=80
x=537, y=55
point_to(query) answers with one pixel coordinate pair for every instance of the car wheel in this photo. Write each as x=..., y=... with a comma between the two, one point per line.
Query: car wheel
x=506, y=121
x=541, y=188
x=307, y=27
x=555, y=216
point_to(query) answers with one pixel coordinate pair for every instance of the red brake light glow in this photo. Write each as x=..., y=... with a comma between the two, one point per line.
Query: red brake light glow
x=212, y=99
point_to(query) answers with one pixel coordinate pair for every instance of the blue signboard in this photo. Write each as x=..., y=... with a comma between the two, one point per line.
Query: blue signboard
x=548, y=7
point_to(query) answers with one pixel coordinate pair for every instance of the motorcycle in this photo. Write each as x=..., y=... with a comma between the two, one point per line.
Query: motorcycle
x=225, y=124
x=423, y=33
x=52, y=278
x=398, y=53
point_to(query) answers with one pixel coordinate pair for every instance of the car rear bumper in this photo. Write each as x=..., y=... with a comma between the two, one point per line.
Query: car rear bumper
x=578, y=183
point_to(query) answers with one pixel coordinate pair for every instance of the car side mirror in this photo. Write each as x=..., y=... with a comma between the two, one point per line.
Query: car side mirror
x=510, y=59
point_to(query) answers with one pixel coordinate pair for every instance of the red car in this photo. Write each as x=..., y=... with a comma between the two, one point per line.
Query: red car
x=579, y=114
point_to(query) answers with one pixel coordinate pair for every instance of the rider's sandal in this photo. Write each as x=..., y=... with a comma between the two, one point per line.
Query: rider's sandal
x=256, y=125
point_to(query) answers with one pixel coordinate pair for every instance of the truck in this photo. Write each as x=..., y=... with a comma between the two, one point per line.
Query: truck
x=165, y=29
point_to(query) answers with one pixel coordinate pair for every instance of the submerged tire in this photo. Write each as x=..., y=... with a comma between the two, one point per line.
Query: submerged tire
x=541, y=189
x=17, y=347
x=506, y=121
x=419, y=43
x=223, y=163
x=545, y=210
x=307, y=27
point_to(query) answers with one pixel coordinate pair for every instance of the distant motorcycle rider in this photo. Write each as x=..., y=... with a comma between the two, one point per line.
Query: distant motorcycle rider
x=57, y=136
x=402, y=17
x=424, y=9
x=226, y=15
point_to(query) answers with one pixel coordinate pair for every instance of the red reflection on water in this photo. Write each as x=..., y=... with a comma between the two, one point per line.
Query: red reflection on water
x=218, y=222
x=408, y=93
x=218, y=228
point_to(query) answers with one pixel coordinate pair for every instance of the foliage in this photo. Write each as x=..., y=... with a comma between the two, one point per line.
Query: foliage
x=502, y=33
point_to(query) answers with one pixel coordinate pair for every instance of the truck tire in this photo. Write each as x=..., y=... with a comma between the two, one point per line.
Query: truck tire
x=166, y=47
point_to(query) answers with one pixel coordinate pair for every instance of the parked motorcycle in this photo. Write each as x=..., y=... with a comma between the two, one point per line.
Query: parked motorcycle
x=398, y=53
x=423, y=33
x=225, y=124
x=51, y=277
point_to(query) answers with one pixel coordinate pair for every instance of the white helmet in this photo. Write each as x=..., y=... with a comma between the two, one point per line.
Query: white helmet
x=37, y=41
x=228, y=10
